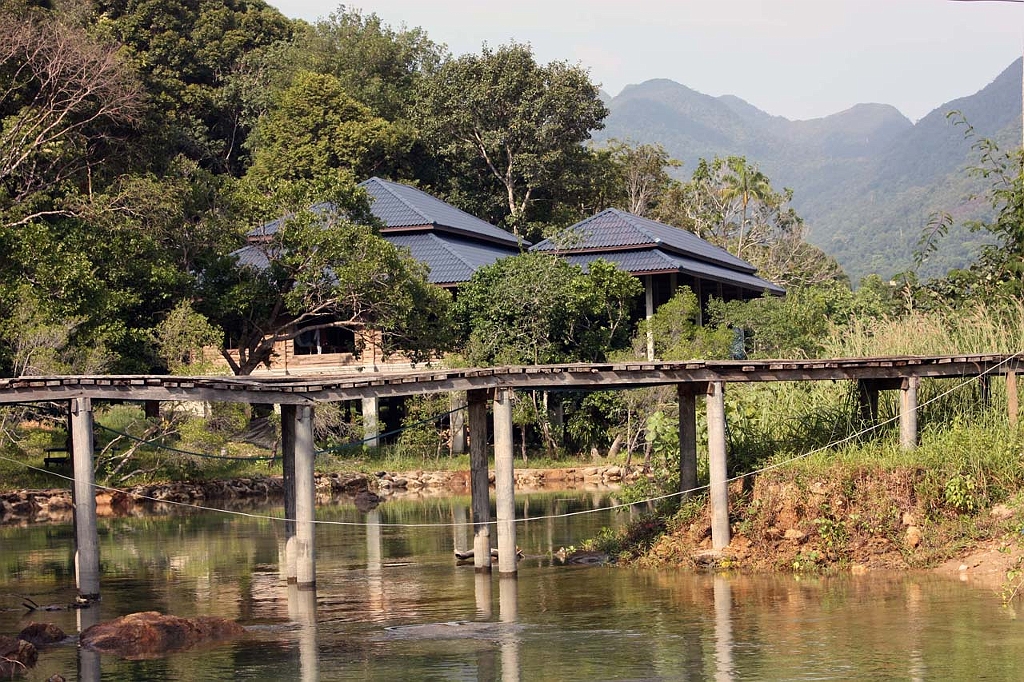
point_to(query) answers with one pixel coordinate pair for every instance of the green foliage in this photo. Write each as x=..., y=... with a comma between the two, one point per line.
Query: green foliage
x=181, y=337
x=422, y=435
x=538, y=309
x=676, y=334
x=314, y=128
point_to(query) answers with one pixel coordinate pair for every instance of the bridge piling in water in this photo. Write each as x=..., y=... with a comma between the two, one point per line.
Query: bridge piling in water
x=288, y=566
x=87, y=544
x=305, y=499
x=479, y=481
x=504, y=481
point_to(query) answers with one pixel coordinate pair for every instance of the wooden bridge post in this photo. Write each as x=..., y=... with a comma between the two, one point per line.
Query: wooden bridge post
x=1012, y=401
x=287, y=562
x=908, y=413
x=719, y=488
x=504, y=481
x=87, y=541
x=867, y=401
x=479, y=480
x=687, y=397
x=305, y=499
x=457, y=420
x=371, y=419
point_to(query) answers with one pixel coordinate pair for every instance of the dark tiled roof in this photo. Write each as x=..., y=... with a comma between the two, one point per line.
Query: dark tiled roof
x=451, y=259
x=614, y=229
x=642, y=261
x=401, y=206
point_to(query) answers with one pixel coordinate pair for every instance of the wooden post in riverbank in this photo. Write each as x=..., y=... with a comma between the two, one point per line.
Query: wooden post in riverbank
x=87, y=542
x=457, y=421
x=371, y=419
x=479, y=481
x=1012, y=402
x=687, y=397
x=504, y=481
x=305, y=499
x=867, y=402
x=908, y=413
x=719, y=487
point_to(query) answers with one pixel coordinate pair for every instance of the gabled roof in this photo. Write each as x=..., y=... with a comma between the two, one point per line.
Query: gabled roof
x=451, y=259
x=653, y=261
x=401, y=207
x=612, y=230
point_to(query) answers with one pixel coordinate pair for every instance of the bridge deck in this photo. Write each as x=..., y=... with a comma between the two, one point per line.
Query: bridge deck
x=311, y=390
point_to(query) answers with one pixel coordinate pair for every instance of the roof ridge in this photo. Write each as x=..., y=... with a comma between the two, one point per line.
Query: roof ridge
x=386, y=184
x=629, y=219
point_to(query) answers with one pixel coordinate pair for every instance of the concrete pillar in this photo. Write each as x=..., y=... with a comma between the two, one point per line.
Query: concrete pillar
x=687, y=398
x=479, y=480
x=1012, y=401
x=457, y=420
x=716, y=466
x=305, y=499
x=908, y=413
x=288, y=567
x=649, y=313
x=504, y=481
x=460, y=528
x=371, y=419
x=87, y=541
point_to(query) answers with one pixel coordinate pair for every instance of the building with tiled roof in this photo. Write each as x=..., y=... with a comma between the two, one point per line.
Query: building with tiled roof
x=451, y=242
x=662, y=256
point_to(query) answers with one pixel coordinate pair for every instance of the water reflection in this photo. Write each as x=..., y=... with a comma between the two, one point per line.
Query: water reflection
x=89, y=669
x=302, y=611
x=391, y=603
x=508, y=606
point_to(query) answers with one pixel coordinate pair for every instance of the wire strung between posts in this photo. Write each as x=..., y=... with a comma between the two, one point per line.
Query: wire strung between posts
x=613, y=507
x=402, y=429
x=154, y=442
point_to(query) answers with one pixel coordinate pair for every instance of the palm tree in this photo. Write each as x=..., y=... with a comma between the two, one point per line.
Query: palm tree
x=746, y=183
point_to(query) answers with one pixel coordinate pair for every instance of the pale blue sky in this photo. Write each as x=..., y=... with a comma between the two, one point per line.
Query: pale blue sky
x=795, y=58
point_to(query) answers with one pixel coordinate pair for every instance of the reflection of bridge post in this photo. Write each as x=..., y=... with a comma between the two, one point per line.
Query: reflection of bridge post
x=723, y=629
x=302, y=611
x=87, y=542
x=374, y=563
x=479, y=483
x=305, y=499
x=716, y=465
x=482, y=590
x=287, y=562
x=508, y=606
x=504, y=481
x=89, y=668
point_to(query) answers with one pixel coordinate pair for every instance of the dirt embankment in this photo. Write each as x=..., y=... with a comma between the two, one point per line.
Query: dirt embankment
x=857, y=520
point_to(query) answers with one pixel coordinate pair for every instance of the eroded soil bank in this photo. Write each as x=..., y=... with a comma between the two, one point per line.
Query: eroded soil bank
x=856, y=520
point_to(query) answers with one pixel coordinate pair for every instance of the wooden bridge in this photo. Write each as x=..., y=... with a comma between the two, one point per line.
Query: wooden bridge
x=298, y=396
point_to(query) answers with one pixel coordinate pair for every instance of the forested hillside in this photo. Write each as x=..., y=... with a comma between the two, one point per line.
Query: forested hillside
x=866, y=180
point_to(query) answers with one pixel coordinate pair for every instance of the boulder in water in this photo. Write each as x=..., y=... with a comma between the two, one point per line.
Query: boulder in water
x=151, y=634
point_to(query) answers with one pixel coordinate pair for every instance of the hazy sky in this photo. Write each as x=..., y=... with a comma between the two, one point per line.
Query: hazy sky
x=795, y=58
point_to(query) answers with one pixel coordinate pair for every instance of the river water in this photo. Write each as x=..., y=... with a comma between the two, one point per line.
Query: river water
x=392, y=604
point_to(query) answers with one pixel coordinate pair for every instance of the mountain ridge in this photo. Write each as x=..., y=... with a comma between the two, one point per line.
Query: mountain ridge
x=866, y=179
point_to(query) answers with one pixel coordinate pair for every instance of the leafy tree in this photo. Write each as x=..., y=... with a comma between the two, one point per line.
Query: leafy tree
x=186, y=52
x=538, y=309
x=325, y=267
x=509, y=124
x=376, y=64
x=181, y=337
x=678, y=336
x=315, y=128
